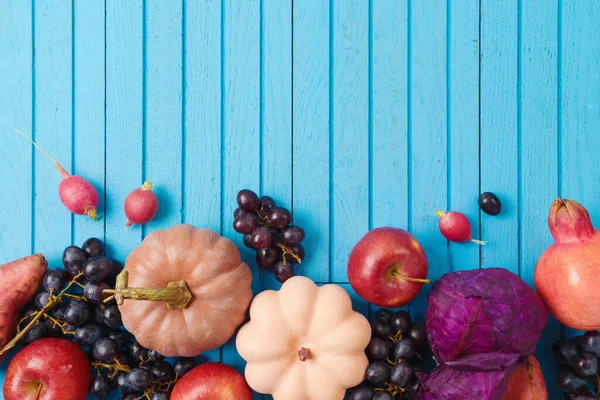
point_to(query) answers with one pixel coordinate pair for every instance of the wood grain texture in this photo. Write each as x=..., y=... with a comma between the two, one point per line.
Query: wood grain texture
x=311, y=109
x=350, y=131
x=499, y=132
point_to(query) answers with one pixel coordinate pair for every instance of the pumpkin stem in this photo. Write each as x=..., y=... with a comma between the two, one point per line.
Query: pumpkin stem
x=176, y=294
x=304, y=354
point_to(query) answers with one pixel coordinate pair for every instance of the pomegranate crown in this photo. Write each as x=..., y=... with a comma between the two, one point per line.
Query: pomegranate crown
x=569, y=221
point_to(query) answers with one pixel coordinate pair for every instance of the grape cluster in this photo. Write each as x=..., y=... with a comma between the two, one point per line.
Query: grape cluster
x=396, y=353
x=578, y=358
x=71, y=304
x=266, y=229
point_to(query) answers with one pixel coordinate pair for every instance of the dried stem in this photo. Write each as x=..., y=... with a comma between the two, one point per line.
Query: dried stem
x=52, y=302
x=286, y=251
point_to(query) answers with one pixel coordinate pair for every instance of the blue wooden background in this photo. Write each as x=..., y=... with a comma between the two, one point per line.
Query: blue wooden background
x=353, y=113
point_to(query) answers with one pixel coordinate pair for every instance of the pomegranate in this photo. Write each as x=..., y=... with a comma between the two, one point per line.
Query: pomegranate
x=567, y=274
x=527, y=382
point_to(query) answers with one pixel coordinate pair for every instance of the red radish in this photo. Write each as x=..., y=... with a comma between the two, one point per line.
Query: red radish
x=455, y=227
x=76, y=193
x=527, y=382
x=566, y=274
x=141, y=205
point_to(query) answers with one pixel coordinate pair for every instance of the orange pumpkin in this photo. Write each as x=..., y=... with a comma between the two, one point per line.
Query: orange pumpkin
x=183, y=291
x=304, y=342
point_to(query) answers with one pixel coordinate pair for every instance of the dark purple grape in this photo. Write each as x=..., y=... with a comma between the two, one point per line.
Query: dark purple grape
x=265, y=204
x=381, y=329
x=298, y=250
x=94, y=292
x=247, y=200
x=41, y=299
x=565, y=351
x=261, y=237
x=123, y=384
x=116, y=268
x=283, y=272
x=36, y=332
x=414, y=385
x=77, y=313
x=589, y=342
x=401, y=374
x=418, y=334
x=585, y=365
x=379, y=349
x=155, y=355
x=105, y=350
x=136, y=351
x=54, y=279
x=129, y=396
x=418, y=365
x=52, y=328
x=73, y=258
x=378, y=373
x=159, y=394
x=568, y=382
x=183, y=365
x=362, y=392
x=401, y=321
x=163, y=371
x=118, y=336
x=93, y=247
x=405, y=349
x=489, y=203
x=88, y=334
x=238, y=211
x=383, y=395
x=267, y=257
x=279, y=217
x=139, y=379
x=582, y=395
x=101, y=387
x=384, y=314
x=248, y=241
x=245, y=223
x=292, y=234
x=95, y=269
x=111, y=316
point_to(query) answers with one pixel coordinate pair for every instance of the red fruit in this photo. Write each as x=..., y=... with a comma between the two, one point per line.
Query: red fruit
x=48, y=369
x=455, y=227
x=566, y=274
x=527, y=382
x=212, y=381
x=387, y=267
x=77, y=194
x=141, y=205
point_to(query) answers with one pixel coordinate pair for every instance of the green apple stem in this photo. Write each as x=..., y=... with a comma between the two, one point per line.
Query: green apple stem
x=398, y=275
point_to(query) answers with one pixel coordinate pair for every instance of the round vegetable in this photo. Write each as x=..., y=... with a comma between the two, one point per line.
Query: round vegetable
x=527, y=382
x=183, y=291
x=141, y=205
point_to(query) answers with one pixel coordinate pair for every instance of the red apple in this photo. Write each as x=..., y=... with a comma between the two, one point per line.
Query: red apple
x=387, y=267
x=48, y=369
x=212, y=381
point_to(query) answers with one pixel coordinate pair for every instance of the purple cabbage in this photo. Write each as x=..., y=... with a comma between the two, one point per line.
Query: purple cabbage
x=483, y=310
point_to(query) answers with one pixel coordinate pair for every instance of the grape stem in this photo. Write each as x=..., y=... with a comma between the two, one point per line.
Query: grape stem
x=398, y=275
x=61, y=324
x=287, y=250
x=116, y=367
x=52, y=302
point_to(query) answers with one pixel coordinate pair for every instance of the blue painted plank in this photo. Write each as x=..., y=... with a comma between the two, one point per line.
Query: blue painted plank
x=241, y=125
x=428, y=130
x=16, y=66
x=538, y=147
x=350, y=147
x=388, y=116
x=311, y=142
x=276, y=114
x=163, y=117
x=463, y=125
x=579, y=166
x=124, y=92
x=202, y=119
x=88, y=109
x=52, y=130
x=499, y=155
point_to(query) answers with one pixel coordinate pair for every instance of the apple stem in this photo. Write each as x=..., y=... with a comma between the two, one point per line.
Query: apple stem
x=39, y=390
x=52, y=302
x=398, y=275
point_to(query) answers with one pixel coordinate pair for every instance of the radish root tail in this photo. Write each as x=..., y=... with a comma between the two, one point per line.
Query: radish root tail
x=59, y=167
x=479, y=242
